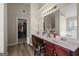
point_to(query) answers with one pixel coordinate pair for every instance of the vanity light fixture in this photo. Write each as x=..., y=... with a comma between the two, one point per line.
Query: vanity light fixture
x=48, y=11
x=55, y=7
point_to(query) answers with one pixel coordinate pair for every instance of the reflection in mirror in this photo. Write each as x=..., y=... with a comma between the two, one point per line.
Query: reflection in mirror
x=49, y=22
x=68, y=20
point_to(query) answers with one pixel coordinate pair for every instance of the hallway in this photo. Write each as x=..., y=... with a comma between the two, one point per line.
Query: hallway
x=21, y=49
x=22, y=40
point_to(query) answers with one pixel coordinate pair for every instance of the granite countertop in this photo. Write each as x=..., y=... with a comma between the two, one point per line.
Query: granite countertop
x=68, y=44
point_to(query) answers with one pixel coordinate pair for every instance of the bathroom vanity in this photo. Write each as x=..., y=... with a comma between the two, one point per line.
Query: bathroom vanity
x=57, y=46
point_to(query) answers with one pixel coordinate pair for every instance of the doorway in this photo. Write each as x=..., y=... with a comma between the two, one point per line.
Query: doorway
x=22, y=30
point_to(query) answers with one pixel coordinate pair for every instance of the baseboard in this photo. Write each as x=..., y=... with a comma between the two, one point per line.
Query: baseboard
x=31, y=44
x=31, y=47
x=4, y=54
x=13, y=44
x=28, y=40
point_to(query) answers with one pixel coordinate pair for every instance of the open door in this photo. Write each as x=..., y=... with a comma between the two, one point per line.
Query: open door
x=22, y=30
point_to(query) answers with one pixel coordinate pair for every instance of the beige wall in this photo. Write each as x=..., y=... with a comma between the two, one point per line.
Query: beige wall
x=5, y=29
x=15, y=11
x=77, y=20
x=32, y=14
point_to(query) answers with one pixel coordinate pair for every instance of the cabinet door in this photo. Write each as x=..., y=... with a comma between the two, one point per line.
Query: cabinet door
x=60, y=51
x=49, y=49
x=35, y=41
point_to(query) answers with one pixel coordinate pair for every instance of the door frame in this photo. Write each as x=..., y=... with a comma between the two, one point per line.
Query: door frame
x=17, y=28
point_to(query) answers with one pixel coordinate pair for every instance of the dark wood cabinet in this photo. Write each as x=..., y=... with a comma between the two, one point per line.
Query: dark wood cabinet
x=61, y=51
x=51, y=49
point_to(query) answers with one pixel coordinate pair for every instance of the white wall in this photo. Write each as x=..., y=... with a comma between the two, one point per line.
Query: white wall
x=3, y=28
x=34, y=18
x=41, y=5
x=40, y=22
x=69, y=10
x=15, y=11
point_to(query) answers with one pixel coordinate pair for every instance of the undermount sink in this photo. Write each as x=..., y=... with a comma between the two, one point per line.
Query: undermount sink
x=65, y=39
